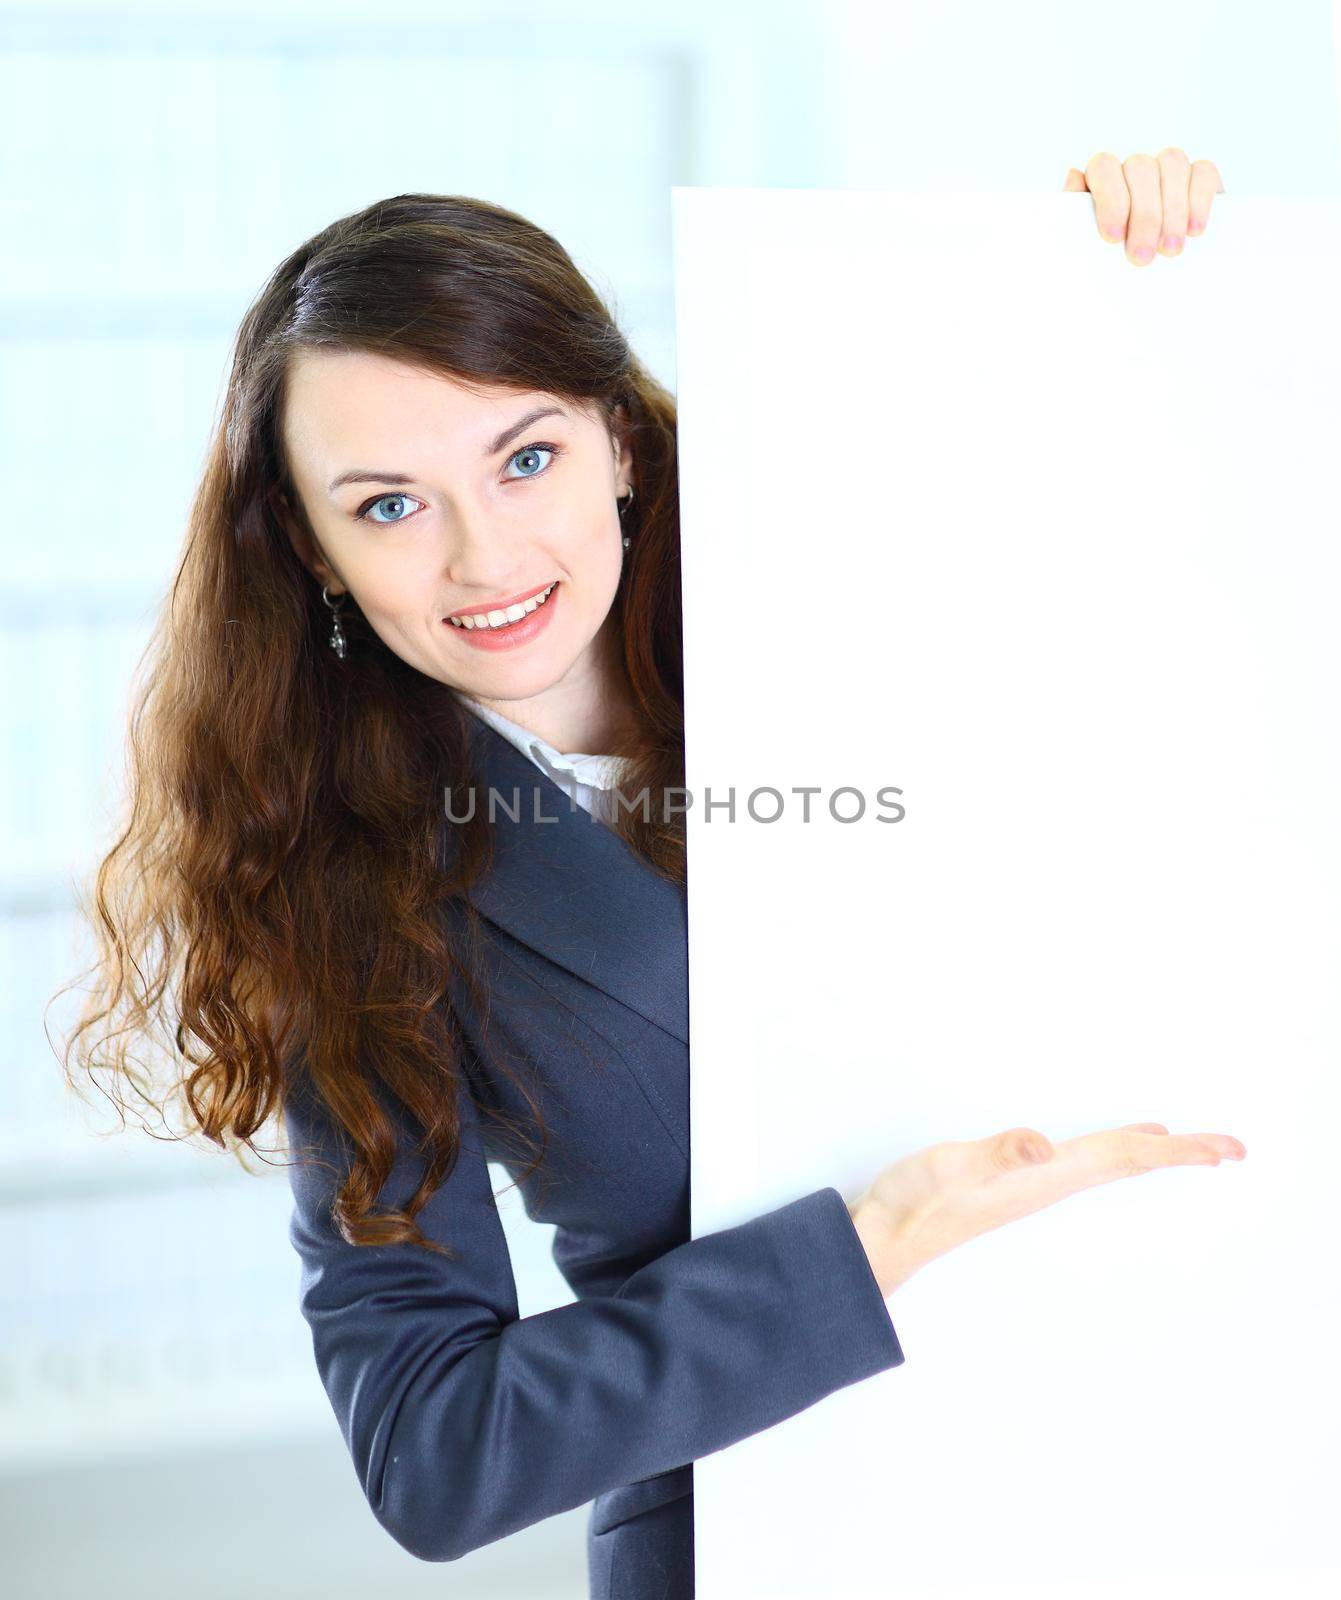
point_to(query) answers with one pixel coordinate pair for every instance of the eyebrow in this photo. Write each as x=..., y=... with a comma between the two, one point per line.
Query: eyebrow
x=373, y=475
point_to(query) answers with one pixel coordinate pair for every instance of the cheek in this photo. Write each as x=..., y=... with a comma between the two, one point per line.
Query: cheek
x=387, y=586
x=606, y=532
x=591, y=552
x=603, y=563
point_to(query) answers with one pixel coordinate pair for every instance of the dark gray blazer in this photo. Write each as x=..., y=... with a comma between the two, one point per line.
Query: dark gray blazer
x=466, y=1422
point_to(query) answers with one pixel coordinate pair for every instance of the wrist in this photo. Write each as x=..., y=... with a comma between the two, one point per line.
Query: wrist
x=873, y=1227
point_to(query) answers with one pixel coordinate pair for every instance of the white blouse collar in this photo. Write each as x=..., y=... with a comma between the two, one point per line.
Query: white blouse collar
x=599, y=772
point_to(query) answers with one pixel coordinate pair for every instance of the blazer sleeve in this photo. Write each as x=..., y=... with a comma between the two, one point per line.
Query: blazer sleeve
x=467, y=1422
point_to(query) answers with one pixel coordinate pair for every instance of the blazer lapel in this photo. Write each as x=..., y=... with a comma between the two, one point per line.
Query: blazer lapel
x=573, y=890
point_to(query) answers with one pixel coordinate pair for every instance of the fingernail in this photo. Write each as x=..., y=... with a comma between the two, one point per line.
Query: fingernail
x=1114, y=231
x=1196, y=227
x=1143, y=253
x=1171, y=242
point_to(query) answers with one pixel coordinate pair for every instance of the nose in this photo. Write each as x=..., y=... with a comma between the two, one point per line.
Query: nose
x=480, y=560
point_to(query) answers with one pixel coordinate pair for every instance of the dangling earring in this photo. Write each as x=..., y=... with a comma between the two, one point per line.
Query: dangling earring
x=627, y=503
x=337, y=638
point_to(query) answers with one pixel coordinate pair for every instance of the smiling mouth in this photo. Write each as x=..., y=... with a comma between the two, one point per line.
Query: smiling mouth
x=503, y=616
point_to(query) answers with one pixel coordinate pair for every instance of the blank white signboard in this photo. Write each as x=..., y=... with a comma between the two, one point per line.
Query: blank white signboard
x=977, y=511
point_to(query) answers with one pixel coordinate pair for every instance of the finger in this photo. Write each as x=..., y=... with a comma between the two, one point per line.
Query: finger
x=1147, y=208
x=1075, y=181
x=1142, y=1127
x=1175, y=176
x=1103, y=176
x=1204, y=185
x=1140, y=1152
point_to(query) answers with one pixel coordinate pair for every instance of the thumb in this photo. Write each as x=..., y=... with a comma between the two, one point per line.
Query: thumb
x=1075, y=181
x=1017, y=1147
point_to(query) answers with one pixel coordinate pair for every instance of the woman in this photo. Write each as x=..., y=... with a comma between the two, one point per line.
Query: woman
x=434, y=553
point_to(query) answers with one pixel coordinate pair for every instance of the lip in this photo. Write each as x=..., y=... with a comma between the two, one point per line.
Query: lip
x=501, y=605
x=517, y=635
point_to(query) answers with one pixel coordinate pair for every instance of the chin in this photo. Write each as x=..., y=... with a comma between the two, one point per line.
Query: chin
x=518, y=680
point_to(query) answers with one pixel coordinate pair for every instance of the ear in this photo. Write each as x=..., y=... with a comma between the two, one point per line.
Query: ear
x=295, y=528
x=623, y=453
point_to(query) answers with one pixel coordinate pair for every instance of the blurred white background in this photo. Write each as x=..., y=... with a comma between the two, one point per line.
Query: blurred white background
x=161, y=1420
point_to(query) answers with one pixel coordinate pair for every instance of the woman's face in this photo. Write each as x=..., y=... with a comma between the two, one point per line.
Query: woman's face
x=428, y=500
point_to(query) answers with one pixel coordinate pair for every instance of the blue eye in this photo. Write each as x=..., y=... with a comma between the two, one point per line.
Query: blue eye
x=383, y=522
x=534, y=450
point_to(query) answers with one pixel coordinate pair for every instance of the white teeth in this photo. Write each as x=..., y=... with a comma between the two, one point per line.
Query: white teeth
x=500, y=618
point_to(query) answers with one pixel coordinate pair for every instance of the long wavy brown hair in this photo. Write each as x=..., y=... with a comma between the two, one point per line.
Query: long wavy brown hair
x=272, y=914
